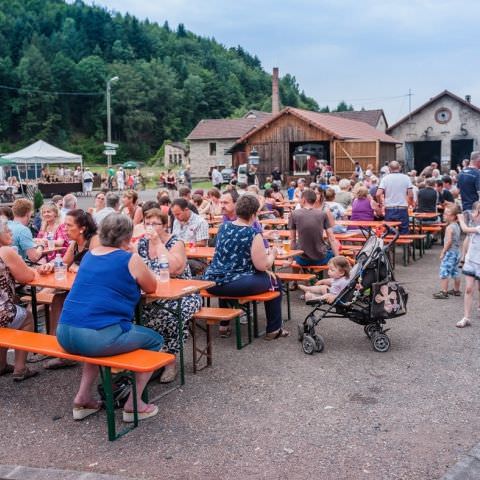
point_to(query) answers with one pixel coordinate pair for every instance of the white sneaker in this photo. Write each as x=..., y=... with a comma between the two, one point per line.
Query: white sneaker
x=464, y=322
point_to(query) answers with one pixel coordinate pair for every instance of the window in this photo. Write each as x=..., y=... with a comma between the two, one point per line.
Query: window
x=212, y=148
x=170, y=157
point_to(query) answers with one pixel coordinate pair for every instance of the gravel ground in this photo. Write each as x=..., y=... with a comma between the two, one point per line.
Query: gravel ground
x=270, y=411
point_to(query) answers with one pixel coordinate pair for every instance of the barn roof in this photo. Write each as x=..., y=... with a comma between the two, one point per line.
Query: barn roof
x=371, y=117
x=228, y=128
x=336, y=126
x=432, y=100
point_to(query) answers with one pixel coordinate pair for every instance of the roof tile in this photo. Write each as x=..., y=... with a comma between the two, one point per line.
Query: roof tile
x=228, y=128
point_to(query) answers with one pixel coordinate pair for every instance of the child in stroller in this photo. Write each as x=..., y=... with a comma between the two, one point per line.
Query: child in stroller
x=328, y=288
x=370, y=297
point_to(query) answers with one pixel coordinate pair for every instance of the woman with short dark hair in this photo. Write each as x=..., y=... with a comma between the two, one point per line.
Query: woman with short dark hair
x=97, y=315
x=241, y=263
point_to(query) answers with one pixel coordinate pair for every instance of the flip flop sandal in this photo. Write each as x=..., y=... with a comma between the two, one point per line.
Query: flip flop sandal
x=278, y=334
x=7, y=369
x=24, y=374
x=57, y=363
x=225, y=332
x=128, y=416
x=37, y=357
x=83, y=411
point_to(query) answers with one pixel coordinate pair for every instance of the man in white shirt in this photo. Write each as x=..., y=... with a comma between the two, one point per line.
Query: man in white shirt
x=120, y=176
x=112, y=204
x=87, y=182
x=395, y=192
x=217, y=178
x=69, y=203
x=192, y=229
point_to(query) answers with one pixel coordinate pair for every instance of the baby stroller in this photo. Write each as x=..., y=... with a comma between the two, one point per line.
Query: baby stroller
x=371, y=297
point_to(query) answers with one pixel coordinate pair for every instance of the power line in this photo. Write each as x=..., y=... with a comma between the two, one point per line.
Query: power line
x=34, y=90
x=365, y=99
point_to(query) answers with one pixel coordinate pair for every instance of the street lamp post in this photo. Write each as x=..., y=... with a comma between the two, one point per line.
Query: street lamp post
x=109, y=119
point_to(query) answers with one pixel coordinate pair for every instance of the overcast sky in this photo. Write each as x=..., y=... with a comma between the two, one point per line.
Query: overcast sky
x=368, y=52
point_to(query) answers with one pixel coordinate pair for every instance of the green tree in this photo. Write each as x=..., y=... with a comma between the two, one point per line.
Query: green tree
x=343, y=107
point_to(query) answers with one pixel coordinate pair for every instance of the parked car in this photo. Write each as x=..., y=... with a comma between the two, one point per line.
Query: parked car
x=242, y=173
x=227, y=174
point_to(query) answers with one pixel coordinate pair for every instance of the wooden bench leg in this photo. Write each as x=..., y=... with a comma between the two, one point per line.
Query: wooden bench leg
x=199, y=353
x=194, y=343
x=238, y=329
x=287, y=294
x=33, y=291
x=256, y=333
x=209, y=345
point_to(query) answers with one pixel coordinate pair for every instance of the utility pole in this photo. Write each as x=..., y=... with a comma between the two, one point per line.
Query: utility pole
x=109, y=119
x=409, y=101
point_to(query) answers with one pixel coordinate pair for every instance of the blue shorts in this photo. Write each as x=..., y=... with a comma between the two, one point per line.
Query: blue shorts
x=107, y=341
x=19, y=319
x=471, y=269
x=308, y=262
x=449, y=265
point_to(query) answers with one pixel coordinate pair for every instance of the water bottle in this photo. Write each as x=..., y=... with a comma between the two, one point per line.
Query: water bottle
x=164, y=275
x=50, y=241
x=60, y=270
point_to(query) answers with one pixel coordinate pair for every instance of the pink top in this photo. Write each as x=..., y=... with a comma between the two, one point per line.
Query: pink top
x=60, y=233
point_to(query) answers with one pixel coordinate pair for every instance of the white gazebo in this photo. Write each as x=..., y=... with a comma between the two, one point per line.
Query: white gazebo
x=42, y=153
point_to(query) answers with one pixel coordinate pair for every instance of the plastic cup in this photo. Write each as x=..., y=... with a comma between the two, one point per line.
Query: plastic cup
x=51, y=245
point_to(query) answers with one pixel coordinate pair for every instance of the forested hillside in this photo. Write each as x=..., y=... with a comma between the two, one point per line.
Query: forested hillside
x=55, y=59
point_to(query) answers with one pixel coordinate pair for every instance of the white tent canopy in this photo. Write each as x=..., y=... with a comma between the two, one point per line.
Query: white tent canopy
x=43, y=153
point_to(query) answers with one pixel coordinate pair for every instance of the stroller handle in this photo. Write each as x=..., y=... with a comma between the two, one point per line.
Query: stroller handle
x=390, y=231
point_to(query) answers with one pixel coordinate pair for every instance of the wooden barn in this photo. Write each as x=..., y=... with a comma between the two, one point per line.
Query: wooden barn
x=342, y=142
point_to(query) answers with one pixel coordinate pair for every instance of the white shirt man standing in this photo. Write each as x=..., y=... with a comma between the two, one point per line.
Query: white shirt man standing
x=395, y=193
x=217, y=178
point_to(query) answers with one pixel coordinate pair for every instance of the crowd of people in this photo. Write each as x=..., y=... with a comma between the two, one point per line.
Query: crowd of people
x=125, y=240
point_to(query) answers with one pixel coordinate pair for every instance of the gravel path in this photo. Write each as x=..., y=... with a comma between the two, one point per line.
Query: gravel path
x=269, y=411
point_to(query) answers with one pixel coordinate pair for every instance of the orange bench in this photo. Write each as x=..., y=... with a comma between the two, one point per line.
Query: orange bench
x=286, y=278
x=244, y=303
x=136, y=361
x=315, y=269
x=212, y=316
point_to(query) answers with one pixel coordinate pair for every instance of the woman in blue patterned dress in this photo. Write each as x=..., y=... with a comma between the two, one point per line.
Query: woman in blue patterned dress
x=158, y=315
x=240, y=266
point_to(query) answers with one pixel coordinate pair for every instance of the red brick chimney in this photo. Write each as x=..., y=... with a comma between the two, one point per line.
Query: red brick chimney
x=275, y=95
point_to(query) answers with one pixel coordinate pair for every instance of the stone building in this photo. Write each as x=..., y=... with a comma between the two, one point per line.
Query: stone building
x=446, y=129
x=210, y=139
x=176, y=153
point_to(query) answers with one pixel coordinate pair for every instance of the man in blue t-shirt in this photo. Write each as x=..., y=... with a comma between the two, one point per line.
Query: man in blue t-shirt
x=469, y=182
x=21, y=235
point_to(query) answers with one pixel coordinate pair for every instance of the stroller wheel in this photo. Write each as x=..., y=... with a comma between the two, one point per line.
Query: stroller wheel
x=370, y=329
x=308, y=344
x=380, y=342
x=300, y=331
x=319, y=343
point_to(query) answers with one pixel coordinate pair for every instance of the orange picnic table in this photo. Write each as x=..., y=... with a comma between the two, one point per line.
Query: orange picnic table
x=274, y=222
x=366, y=223
x=173, y=289
x=209, y=252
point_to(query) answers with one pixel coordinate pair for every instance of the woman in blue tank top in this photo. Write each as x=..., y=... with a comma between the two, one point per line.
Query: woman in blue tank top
x=97, y=314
